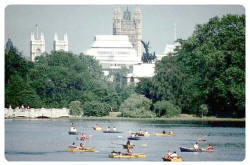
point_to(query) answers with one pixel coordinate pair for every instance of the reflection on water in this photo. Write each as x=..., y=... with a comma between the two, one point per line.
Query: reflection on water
x=47, y=140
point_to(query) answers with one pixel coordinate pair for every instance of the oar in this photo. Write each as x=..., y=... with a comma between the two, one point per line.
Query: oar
x=122, y=144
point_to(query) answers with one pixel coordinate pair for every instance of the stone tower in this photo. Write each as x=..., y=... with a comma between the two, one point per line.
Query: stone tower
x=59, y=45
x=37, y=46
x=128, y=25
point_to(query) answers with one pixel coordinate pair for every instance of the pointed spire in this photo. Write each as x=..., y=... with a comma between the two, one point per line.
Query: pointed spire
x=55, y=37
x=32, y=36
x=175, y=36
x=42, y=37
x=65, y=37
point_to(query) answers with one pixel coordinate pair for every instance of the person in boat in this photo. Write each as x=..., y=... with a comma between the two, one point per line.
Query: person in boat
x=114, y=129
x=73, y=145
x=129, y=151
x=210, y=147
x=164, y=132
x=81, y=147
x=168, y=155
x=72, y=128
x=174, y=155
x=83, y=137
x=140, y=132
x=196, y=146
x=114, y=152
x=170, y=132
x=108, y=129
x=128, y=143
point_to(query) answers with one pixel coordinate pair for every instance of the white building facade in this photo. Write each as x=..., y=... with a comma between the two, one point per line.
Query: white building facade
x=113, y=52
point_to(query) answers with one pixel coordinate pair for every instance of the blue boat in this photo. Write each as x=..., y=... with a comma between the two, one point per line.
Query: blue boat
x=186, y=149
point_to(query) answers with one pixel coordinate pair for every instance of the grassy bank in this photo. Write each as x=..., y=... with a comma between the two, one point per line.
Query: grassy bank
x=182, y=117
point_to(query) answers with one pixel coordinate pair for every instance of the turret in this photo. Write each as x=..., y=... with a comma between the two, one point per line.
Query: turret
x=117, y=21
x=138, y=23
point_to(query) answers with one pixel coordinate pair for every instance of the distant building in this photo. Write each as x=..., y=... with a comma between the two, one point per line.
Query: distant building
x=59, y=45
x=37, y=46
x=132, y=27
x=143, y=70
x=113, y=52
x=170, y=48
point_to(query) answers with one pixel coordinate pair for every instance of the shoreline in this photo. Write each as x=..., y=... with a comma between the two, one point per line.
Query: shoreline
x=198, y=119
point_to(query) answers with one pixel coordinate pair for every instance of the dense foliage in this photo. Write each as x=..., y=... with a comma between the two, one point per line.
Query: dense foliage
x=75, y=108
x=166, y=108
x=136, y=106
x=58, y=80
x=209, y=69
x=95, y=108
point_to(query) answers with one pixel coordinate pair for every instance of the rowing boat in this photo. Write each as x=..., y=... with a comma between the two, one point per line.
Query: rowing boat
x=162, y=134
x=174, y=159
x=123, y=155
x=73, y=133
x=143, y=134
x=97, y=128
x=186, y=149
x=134, y=138
x=70, y=149
x=111, y=131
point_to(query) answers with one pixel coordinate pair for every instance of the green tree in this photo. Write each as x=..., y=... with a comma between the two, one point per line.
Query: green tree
x=203, y=110
x=75, y=108
x=214, y=60
x=166, y=108
x=95, y=108
x=137, y=106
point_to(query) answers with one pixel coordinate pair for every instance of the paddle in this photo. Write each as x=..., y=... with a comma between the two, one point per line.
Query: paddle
x=142, y=145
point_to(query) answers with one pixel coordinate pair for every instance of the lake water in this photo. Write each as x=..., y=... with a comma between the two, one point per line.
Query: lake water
x=47, y=140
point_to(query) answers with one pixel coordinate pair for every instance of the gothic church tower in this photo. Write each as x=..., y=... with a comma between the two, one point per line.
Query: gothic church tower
x=59, y=45
x=37, y=46
x=129, y=26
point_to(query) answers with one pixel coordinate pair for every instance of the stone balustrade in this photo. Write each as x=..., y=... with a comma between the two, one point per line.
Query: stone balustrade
x=36, y=113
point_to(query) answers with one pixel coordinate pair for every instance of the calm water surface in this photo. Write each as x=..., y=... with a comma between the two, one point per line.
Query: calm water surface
x=47, y=140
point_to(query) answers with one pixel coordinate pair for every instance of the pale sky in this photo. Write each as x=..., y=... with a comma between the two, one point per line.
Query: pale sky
x=83, y=22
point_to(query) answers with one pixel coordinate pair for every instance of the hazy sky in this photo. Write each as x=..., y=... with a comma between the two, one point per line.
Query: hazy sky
x=83, y=22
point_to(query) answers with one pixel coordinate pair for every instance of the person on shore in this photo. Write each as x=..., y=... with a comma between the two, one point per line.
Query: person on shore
x=196, y=146
x=10, y=107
